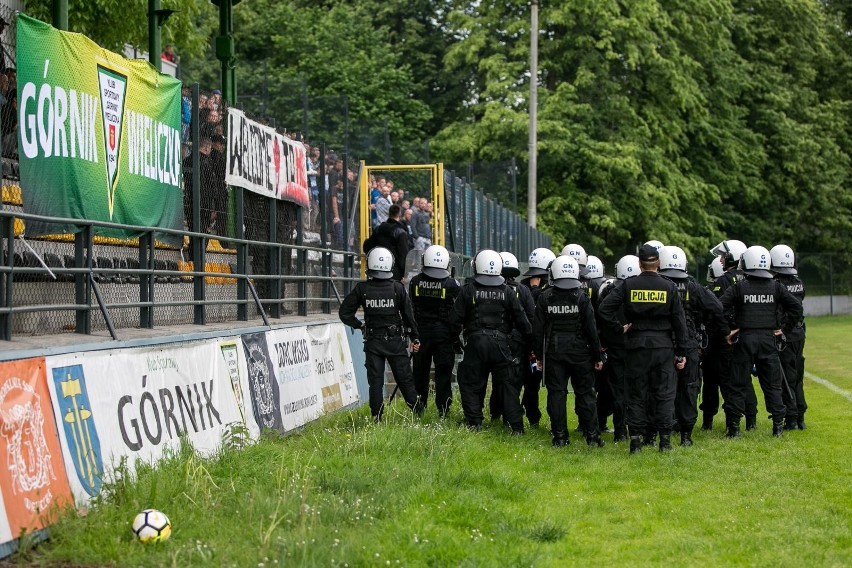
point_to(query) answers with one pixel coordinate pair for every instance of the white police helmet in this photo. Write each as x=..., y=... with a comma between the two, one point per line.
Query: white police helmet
x=673, y=262
x=783, y=259
x=380, y=263
x=565, y=272
x=715, y=269
x=731, y=250
x=594, y=267
x=539, y=262
x=510, y=265
x=576, y=252
x=627, y=267
x=656, y=244
x=755, y=261
x=487, y=266
x=436, y=262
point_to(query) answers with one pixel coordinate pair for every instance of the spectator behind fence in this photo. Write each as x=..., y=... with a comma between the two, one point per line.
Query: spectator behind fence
x=422, y=226
x=9, y=125
x=406, y=221
x=391, y=235
x=185, y=113
x=168, y=53
x=312, y=159
x=383, y=204
x=7, y=55
x=219, y=190
x=204, y=148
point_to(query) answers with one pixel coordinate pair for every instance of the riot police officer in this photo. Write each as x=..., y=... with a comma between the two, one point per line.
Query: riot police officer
x=487, y=310
x=387, y=319
x=759, y=309
x=594, y=279
x=535, y=281
x=653, y=311
x=792, y=357
x=433, y=293
x=613, y=345
x=578, y=253
x=730, y=252
x=566, y=340
x=699, y=306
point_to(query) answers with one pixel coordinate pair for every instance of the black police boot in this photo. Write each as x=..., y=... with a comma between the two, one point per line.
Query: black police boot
x=751, y=422
x=733, y=430
x=777, y=428
x=802, y=425
x=518, y=429
x=560, y=439
x=665, y=442
x=791, y=423
x=595, y=441
x=635, y=444
x=650, y=439
x=686, y=437
x=620, y=435
x=708, y=422
x=475, y=427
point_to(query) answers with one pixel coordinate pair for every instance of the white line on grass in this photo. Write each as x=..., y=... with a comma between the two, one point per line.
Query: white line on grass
x=829, y=385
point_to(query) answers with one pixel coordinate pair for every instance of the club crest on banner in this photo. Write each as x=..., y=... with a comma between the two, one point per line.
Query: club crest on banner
x=78, y=422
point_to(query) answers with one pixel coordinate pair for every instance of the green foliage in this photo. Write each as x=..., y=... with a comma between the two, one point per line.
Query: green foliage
x=112, y=23
x=429, y=493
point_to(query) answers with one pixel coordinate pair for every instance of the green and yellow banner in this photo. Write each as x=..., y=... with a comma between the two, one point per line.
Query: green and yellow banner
x=99, y=135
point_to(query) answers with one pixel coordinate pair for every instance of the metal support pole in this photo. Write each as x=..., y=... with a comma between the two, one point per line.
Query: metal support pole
x=199, y=315
x=154, y=47
x=275, y=261
x=146, y=316
x=532, y=198
x=60, y=14
x=301, y=258
x=225, y=51
x=8, y=279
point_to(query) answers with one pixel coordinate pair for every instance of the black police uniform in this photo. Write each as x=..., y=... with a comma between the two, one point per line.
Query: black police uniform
x=758, y=307
x=699, y=306
x=613, y=343
x=793, y=359
x=717, y=375
x=652, y=305
x=487, y=315
x=387, y=315
x=521, y=350
x=433, y=299
x=603, y=390
x=566, y=340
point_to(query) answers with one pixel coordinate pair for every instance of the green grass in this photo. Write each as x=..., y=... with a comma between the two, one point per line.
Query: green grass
x=428, y=493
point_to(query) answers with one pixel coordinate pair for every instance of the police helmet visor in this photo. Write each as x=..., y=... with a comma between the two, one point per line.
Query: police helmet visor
x=380, y=274
x=566, y=283
x=433, y=272
x=784, y=270
x=674, y=273
x=510, y=272
x=489, y=280
x=759, y=273
x=533, y=271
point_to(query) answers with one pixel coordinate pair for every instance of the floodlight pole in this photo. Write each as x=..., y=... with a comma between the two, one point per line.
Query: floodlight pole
x=532, y=197
x=154, y=48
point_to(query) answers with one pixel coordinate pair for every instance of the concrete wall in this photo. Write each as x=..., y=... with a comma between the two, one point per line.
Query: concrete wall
x=828, y=305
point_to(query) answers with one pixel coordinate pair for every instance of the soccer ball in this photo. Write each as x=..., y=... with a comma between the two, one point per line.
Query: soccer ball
x=152, y=525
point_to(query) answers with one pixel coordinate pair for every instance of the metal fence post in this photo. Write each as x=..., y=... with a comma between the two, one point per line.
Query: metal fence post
x=82, y=290
x=274, y=256
x=7, y=282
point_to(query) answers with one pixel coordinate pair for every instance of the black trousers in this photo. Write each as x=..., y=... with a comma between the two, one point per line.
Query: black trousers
x=710, y=372
x=441, y=352
x=615, y=368
x=393, y=350
x=651, y=385
x=793, y=363
x=559, y=369
x=727, y=387
x=486, y=354
x=605, y=397
x=531, y=381
x=755, y=348
x=686, y=396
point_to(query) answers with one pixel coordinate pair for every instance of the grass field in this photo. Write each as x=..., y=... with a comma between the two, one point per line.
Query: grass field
x=346, y=492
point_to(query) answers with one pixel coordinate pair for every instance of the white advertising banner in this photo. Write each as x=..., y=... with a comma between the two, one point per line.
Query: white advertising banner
x=137, y=403
x=300, y=392
x=332, y=362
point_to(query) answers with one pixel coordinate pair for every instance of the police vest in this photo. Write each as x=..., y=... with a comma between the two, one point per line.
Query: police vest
x=758, y=308
x=491, y=308
x=562, y=308
x=690, y=310
x=648, y=302
x=725, y=281
x=432, y=299
x=795, y=286
x=382, y=303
